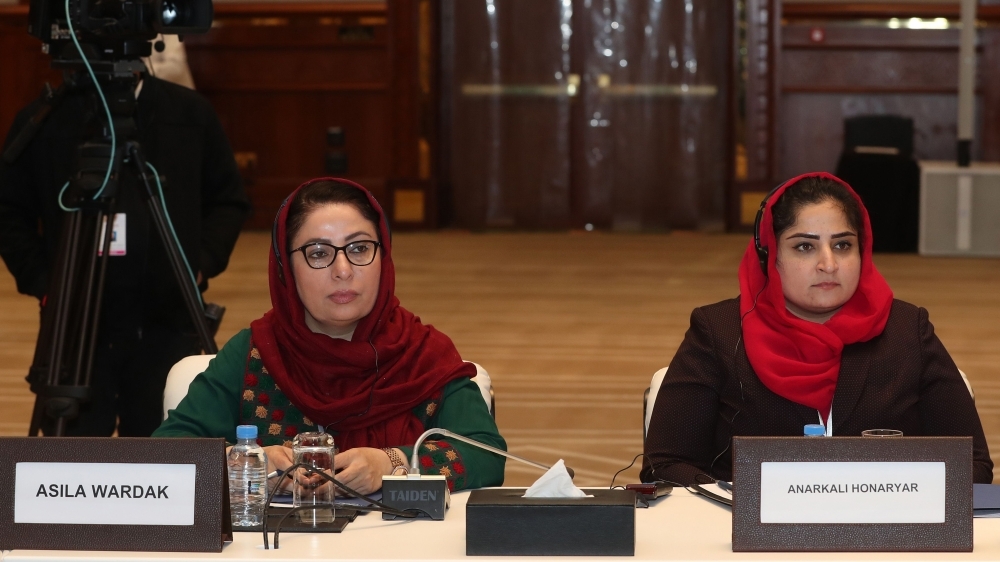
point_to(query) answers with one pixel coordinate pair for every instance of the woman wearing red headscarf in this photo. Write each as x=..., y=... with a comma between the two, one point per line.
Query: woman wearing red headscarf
x=815, y=337
x=338, y=353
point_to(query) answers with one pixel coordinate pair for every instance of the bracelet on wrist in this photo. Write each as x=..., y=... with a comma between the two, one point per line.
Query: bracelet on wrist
x=397, y=462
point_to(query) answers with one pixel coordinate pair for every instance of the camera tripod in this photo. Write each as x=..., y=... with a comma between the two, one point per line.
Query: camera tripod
x=60, y=374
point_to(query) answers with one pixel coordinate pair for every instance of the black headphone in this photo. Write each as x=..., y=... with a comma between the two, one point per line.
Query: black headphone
x=762, y=250
x=274, y=240
x=274, y=227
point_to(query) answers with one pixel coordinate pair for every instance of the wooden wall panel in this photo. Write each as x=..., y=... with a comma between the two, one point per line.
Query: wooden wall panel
x=763, y=19
x=280, y=75
x=869, y=71
x=277, y=74
x=754, y=108
x=834, y=69
x=839, y=60
x=989, y=79
x=812, y=126
x=414, y=60
x=286, y=133
x=989, y=9
x=24, y=69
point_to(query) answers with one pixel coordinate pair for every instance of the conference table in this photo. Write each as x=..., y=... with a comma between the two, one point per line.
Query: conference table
x=682, y=526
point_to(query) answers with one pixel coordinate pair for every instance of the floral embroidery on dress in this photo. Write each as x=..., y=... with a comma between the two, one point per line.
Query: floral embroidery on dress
x=264, y=405
x=439, y=457
x=426, y=411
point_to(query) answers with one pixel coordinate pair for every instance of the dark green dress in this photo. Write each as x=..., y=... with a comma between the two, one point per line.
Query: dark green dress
x=237, y=390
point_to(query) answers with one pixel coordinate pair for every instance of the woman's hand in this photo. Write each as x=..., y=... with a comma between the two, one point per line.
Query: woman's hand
x=279, y=457
x=362, y=468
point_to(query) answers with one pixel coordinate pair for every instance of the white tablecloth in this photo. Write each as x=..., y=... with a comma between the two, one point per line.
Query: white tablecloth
x=679, y=527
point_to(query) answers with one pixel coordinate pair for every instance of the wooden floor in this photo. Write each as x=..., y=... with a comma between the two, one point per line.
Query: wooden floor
x=571, y=326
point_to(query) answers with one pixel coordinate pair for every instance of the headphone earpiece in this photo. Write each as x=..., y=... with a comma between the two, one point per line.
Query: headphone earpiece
x=274, y=241
x=385, y=218
x=762, y=251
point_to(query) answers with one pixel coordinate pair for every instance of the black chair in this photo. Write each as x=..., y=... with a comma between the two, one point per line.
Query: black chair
x=878, y=163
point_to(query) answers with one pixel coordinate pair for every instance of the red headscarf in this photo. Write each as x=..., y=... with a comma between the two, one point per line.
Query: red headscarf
x=330, y=380
x=794, y=358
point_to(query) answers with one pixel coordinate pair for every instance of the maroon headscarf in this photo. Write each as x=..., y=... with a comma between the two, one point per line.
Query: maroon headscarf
x=795, y=358
x=330, y=380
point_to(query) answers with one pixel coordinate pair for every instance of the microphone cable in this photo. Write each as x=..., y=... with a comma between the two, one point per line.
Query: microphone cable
x=371, y=392
x=373, y=505
x=104, y=102
x=173, y=232
x=743, y=399
x=651, y=469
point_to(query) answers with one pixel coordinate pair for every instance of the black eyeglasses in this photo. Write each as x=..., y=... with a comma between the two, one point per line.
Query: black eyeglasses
x=320, y=255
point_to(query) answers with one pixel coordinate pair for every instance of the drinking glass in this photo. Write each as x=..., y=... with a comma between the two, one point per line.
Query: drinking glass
x=314, y=450
x=881, y=433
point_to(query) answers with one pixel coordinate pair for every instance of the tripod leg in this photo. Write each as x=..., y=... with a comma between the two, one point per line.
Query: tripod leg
x=37, y=416
x=192, y=299
x=95, y=290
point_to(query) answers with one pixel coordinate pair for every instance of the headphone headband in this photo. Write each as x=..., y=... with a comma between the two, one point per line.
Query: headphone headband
x=762, y=251
x=274, y=239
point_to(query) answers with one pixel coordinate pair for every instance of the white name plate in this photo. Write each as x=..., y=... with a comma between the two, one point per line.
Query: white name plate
x=104, y=493
x=852, y=492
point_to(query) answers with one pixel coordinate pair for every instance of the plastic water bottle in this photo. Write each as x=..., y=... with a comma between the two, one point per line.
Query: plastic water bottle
x=247, y=478
x=814, y=430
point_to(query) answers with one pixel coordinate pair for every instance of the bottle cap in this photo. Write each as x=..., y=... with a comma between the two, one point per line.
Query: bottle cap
x=246, y=432
x=809, y=430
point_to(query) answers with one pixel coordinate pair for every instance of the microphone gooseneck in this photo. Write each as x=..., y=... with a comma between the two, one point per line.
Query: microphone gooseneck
x=414, y=459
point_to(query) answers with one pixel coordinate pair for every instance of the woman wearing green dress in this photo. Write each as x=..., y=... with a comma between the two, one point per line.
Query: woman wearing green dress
x=338, y=353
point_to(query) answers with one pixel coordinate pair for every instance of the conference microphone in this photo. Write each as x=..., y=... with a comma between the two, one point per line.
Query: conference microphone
x=428, y=493
x=415, y=469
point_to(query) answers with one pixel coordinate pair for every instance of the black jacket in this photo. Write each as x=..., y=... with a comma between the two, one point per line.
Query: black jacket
x=902, y=379
x=182, y=137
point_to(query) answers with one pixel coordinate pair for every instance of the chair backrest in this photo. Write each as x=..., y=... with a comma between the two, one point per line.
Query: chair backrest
x=180, y=377
x=649, y=398
x=485, y=383
x=185, y=370
x=881, y=131
x=968, y=384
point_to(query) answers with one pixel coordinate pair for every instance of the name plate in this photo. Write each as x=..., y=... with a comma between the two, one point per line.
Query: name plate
x=104, y=493
x=852, y=494
x=140, y=494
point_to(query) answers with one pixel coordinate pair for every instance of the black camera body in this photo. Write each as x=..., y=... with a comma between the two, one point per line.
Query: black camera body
x=113, y=30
